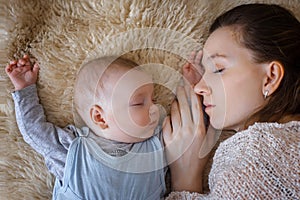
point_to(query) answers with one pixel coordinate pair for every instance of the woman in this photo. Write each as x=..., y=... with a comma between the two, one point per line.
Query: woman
x=251, y=85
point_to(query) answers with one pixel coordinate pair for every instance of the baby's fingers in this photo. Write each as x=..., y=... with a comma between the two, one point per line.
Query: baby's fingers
x=35, y=68
x=11, y=66
x=13, y=62
x=26, y=57
x=25, y=61
x=8, y=69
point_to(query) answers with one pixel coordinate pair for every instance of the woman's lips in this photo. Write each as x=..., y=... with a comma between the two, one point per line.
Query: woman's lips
x=208, y=107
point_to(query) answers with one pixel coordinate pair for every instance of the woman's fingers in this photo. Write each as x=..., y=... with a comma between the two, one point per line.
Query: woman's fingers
x=186, y=68
x=196, y=107
x=172, y=124
x=209, y=140
x=184, y=107
x=195, y=58
x=167, y=131
x=187, y=88
x=193, y=69
x=198, y=58
x=175, y=116
x=192, y=57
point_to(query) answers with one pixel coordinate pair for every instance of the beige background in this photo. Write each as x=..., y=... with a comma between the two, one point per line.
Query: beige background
x=63, y=34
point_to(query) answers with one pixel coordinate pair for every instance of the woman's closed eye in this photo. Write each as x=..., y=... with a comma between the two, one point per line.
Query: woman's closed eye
x=219, y=70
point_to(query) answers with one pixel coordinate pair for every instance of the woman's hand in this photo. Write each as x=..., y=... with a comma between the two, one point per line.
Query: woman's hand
x=184, y=133
x=192, y=70
x=22, y=73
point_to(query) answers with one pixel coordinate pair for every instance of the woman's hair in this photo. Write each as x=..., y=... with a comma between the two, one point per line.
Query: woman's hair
x=271, y=33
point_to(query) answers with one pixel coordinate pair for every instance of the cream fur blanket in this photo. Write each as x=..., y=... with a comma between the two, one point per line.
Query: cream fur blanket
x=61, y=34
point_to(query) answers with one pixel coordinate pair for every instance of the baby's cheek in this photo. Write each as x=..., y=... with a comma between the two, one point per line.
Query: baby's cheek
x=140, y=119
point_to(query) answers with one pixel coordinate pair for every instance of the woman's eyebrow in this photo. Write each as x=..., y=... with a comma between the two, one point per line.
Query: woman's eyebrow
x=214, y=56
x=217, y=55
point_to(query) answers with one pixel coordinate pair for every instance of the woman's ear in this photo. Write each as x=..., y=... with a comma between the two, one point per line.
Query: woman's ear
x=96, y=114
x=273, y=77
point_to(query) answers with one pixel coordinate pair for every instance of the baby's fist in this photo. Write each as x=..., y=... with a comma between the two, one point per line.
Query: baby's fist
x=22, y=73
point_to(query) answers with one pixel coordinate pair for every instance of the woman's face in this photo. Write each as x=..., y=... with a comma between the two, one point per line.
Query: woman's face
x=232, y=85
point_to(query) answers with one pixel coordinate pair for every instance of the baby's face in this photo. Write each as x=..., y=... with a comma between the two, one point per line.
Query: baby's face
x=131, y=115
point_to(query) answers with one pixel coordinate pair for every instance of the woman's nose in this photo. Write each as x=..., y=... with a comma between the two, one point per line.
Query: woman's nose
x=202, y=88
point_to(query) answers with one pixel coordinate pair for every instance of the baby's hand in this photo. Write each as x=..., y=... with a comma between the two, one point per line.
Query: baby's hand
x=192, y=70
x=22, y=73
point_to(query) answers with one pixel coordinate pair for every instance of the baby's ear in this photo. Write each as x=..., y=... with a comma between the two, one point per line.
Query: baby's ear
x=96, y=114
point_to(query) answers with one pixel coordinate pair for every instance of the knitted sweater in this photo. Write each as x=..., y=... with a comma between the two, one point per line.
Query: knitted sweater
x=262, y=162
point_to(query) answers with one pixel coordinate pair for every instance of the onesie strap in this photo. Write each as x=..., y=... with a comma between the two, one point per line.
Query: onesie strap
x=79, y=132
x=83, y=132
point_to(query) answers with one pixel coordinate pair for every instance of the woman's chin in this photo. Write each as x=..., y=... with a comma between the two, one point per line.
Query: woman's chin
x=217, y=124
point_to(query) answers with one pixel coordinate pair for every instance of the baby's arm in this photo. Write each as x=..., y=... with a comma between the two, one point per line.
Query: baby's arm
x=47, y=139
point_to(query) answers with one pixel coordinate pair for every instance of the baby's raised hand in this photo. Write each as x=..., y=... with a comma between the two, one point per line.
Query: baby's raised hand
x=192, y=70
x=22, y=73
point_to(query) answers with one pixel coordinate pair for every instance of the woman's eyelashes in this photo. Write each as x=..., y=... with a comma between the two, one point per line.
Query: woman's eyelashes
x=213, y=68
x=219, y=70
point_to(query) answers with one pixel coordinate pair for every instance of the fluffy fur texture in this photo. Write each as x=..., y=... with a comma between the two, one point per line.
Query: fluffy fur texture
x=63, y=34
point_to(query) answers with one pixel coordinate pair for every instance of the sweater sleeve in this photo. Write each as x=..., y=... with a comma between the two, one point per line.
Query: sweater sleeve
x=253, y=165
x=47, y=139
x=185, y=196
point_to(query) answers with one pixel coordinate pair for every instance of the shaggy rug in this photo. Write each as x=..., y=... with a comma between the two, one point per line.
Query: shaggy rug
x=62, y=34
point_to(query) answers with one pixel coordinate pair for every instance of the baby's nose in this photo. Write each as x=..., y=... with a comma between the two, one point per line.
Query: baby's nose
x=153, y=110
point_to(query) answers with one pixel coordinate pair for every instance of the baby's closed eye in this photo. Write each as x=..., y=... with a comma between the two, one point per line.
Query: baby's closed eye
x=137, y=102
